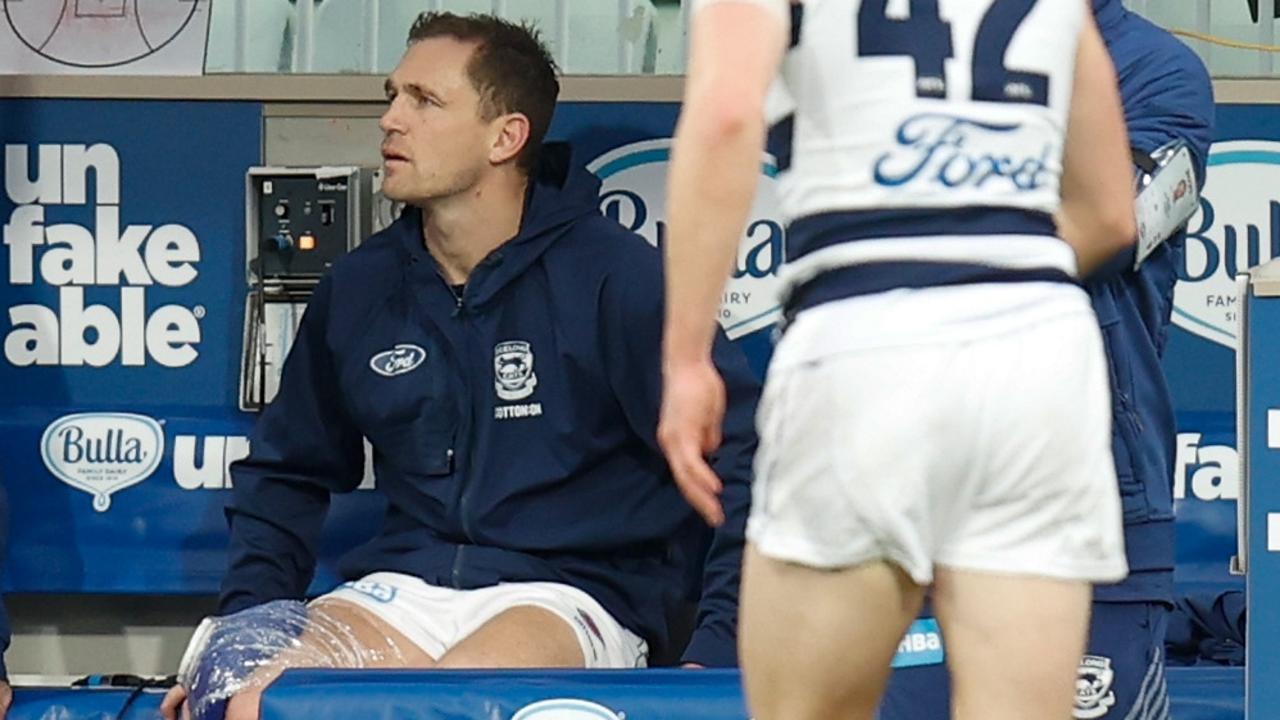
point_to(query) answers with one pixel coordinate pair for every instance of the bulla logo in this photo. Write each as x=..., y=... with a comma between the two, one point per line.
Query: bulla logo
x=102, y=453
x=1237, y=227
x=565, y=709
x=72, y=258
x=633, y=192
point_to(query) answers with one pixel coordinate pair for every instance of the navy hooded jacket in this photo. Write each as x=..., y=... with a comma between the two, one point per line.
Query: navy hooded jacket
x=1167, y=96
x=513, y=428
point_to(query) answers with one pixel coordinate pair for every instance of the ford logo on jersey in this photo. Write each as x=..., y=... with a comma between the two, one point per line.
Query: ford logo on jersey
x=399, y=360
x=950, y=151
x=102, y=453
x=565, y=709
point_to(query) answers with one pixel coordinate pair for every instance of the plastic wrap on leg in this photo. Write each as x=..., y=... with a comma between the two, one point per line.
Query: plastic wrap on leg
x=247, y=650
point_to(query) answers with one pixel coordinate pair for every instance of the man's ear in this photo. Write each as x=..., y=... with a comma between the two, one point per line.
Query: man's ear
x=510, y=137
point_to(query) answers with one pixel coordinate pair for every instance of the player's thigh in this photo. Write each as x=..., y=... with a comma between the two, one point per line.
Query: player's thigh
x=1032, y=628
x=539, y=624
x=1122, y=673
x=817, y=643
x=244, y=706
x=254, y=647
x=521, y=637
x=353, y=636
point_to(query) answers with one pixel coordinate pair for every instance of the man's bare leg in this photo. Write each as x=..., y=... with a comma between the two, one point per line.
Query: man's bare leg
x=817, y=644
x=522, y=637
x=367, y=629
x=526, y=636
x=1032, y=629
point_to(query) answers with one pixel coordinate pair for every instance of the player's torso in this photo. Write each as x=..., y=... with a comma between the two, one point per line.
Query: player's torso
x=921, y=151
x=925, y=103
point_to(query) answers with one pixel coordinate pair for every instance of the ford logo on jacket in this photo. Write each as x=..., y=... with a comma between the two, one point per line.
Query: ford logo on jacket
x=398, y=360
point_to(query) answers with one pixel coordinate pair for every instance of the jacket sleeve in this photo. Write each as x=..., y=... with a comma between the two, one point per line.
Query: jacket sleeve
x=715, y=636
x=1167, y=96
x=632, y=313
x=304, y=447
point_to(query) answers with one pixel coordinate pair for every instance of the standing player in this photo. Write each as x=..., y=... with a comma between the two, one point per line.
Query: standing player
x=937, y=412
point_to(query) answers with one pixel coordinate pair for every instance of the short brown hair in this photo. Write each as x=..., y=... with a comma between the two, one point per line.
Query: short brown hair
x=511, y=70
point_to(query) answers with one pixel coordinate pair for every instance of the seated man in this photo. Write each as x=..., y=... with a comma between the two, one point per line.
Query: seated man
x=499, y=348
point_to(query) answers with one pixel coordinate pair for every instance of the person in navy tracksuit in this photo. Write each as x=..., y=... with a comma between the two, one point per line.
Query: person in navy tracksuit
x=499, y=347
x=1167, y=97
x=563, y=483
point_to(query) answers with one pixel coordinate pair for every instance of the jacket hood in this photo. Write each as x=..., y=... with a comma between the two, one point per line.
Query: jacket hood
x=560, y=191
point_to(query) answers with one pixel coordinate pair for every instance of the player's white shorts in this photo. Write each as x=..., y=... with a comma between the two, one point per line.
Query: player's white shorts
x=437, y=618
x=945, y=426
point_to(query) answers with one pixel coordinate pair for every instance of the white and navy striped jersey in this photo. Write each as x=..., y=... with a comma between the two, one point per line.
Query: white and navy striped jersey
x=925, y=103
x=920, y=142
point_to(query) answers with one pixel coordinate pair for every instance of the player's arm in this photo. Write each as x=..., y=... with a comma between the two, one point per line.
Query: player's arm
x=735, y=50
x=736, y=47
x=304, y=447
x=715, y=632
x=1096, y=215
x=631, y=311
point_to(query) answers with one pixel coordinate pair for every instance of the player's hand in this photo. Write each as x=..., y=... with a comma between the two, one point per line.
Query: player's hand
x=174, y=706
x=6, y=698
x=693, y=400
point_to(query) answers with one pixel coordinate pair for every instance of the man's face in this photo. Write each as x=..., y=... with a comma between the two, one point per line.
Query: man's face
x=435, y=144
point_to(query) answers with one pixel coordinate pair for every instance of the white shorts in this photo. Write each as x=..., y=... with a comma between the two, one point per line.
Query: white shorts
x=990, y=453
x=436, y=618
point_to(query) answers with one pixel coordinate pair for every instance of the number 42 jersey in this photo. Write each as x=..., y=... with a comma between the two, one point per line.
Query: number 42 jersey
x=924, y=104
x=919, y=143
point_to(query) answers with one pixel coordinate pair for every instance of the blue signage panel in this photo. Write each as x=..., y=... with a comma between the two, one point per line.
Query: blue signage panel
x=1262, y=388
x=122, y=269
x=123, y=282
x=1238, y=227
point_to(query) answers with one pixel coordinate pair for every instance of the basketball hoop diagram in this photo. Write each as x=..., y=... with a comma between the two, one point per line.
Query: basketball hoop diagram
x=105, y=35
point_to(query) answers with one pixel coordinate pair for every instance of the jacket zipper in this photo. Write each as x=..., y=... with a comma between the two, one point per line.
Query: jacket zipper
x=460, y=313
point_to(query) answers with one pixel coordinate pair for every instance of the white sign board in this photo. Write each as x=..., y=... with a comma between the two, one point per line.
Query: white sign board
x=103, y=37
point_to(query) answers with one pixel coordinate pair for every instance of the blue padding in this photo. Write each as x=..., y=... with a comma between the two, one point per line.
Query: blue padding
x=1206, y=693
x=1198, y=693
x=83, y=704
x=459, y=695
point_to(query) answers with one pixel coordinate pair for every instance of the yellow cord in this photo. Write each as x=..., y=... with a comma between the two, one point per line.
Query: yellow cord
x=1225, y=42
